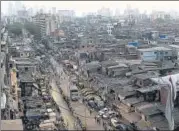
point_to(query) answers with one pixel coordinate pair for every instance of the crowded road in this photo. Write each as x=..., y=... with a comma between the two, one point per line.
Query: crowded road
x=80, y=109
x=67, y=116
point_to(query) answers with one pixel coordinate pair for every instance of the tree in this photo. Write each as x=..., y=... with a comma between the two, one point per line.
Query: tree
x=160, y=20
x=33, y=29
x=15, y=28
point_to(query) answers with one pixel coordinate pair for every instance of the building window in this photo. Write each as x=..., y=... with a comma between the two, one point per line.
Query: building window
x=26, y=68
x=166, y=52
x=10, y=65
x=141, y=53
x=155, y=52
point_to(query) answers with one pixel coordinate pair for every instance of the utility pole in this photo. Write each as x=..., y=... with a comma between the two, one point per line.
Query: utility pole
x=0, y=83
x=85, y=119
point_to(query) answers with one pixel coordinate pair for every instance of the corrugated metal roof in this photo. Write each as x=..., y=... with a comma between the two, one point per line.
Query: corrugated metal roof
x=148, y=89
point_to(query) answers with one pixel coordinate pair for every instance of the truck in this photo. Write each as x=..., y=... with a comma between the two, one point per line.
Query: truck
x=74, y=93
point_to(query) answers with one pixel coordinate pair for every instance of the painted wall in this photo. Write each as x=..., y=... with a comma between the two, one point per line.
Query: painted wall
x=148, y=56
x=154, y=55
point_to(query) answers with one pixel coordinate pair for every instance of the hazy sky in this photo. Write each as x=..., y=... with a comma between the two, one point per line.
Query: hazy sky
x=92, y=6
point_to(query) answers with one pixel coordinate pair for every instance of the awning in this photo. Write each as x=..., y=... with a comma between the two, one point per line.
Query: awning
x=148, y=89
x=35, y=85
x=3, y=101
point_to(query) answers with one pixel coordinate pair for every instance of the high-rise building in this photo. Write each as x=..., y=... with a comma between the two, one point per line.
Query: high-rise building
x=105, y=12
x=30, y=11
x=66, y=15
x=41, y=21
x=47, y=24
x=53, y=10
x=117, y=12
x=41, y=11
x=10, y=8
x=18, y=6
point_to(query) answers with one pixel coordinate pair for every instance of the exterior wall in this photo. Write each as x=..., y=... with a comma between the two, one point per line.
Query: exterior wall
x=26, y=89
x=24, y=54
x=30, y=68
x=109, y=28
x=155, y=55
x=147, y=56
x=163, y=96
x=41, y=20
x=177, y=39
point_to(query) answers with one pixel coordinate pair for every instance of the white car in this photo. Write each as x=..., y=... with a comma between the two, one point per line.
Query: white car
x=105, y=115
x=115, y=122
x=112, y=114
x=104, y=110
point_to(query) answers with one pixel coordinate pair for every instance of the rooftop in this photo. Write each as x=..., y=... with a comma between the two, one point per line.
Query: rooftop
x=153, y=110
x=155, y=49
x=25, y=61
x=148, y=89
x=2, y=56
x=12, y=125
x=174, y=46
x=26, y=77
x=116, y=66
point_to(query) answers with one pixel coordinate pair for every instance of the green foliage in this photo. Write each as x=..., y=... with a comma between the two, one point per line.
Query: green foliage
x=33, y=29
x=15, y=28
x=160, y=20
x=14, y=70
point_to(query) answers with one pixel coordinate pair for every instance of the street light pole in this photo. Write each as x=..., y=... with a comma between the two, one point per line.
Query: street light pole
x=0, y=84
x=85, y=118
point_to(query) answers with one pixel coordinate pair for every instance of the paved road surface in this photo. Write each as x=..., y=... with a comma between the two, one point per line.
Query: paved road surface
x=79, y=108
x=68, y=118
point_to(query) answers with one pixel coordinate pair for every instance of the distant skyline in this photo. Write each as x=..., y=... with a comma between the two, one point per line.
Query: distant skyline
x=81, y=7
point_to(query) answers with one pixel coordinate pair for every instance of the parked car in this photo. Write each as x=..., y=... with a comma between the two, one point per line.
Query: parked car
x=115, y=122
x=124, y=127
x=105, y=116
x=112, y=114
x=104, y=110
x=91, y=104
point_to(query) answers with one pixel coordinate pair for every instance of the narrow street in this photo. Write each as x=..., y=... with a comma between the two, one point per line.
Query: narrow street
x=80, y=109
x=68, y=118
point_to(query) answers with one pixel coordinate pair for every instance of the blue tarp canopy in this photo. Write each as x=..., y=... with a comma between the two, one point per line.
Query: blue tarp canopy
x=163, y=36
x=136, y=44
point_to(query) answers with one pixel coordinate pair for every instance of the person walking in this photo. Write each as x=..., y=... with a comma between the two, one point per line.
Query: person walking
x=99, y=121
x=90, y=111
x=104, y=123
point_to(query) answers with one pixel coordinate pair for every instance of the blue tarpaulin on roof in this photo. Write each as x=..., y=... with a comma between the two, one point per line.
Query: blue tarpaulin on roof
x=136, y=44
x=163, y=36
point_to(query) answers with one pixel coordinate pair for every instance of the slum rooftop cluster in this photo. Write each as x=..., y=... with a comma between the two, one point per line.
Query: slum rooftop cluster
x=122, y=69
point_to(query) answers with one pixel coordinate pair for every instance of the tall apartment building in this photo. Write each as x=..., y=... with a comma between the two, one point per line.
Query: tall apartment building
x=41, y=20
x=47, y=24
x=106, y=12
x=66, y=15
